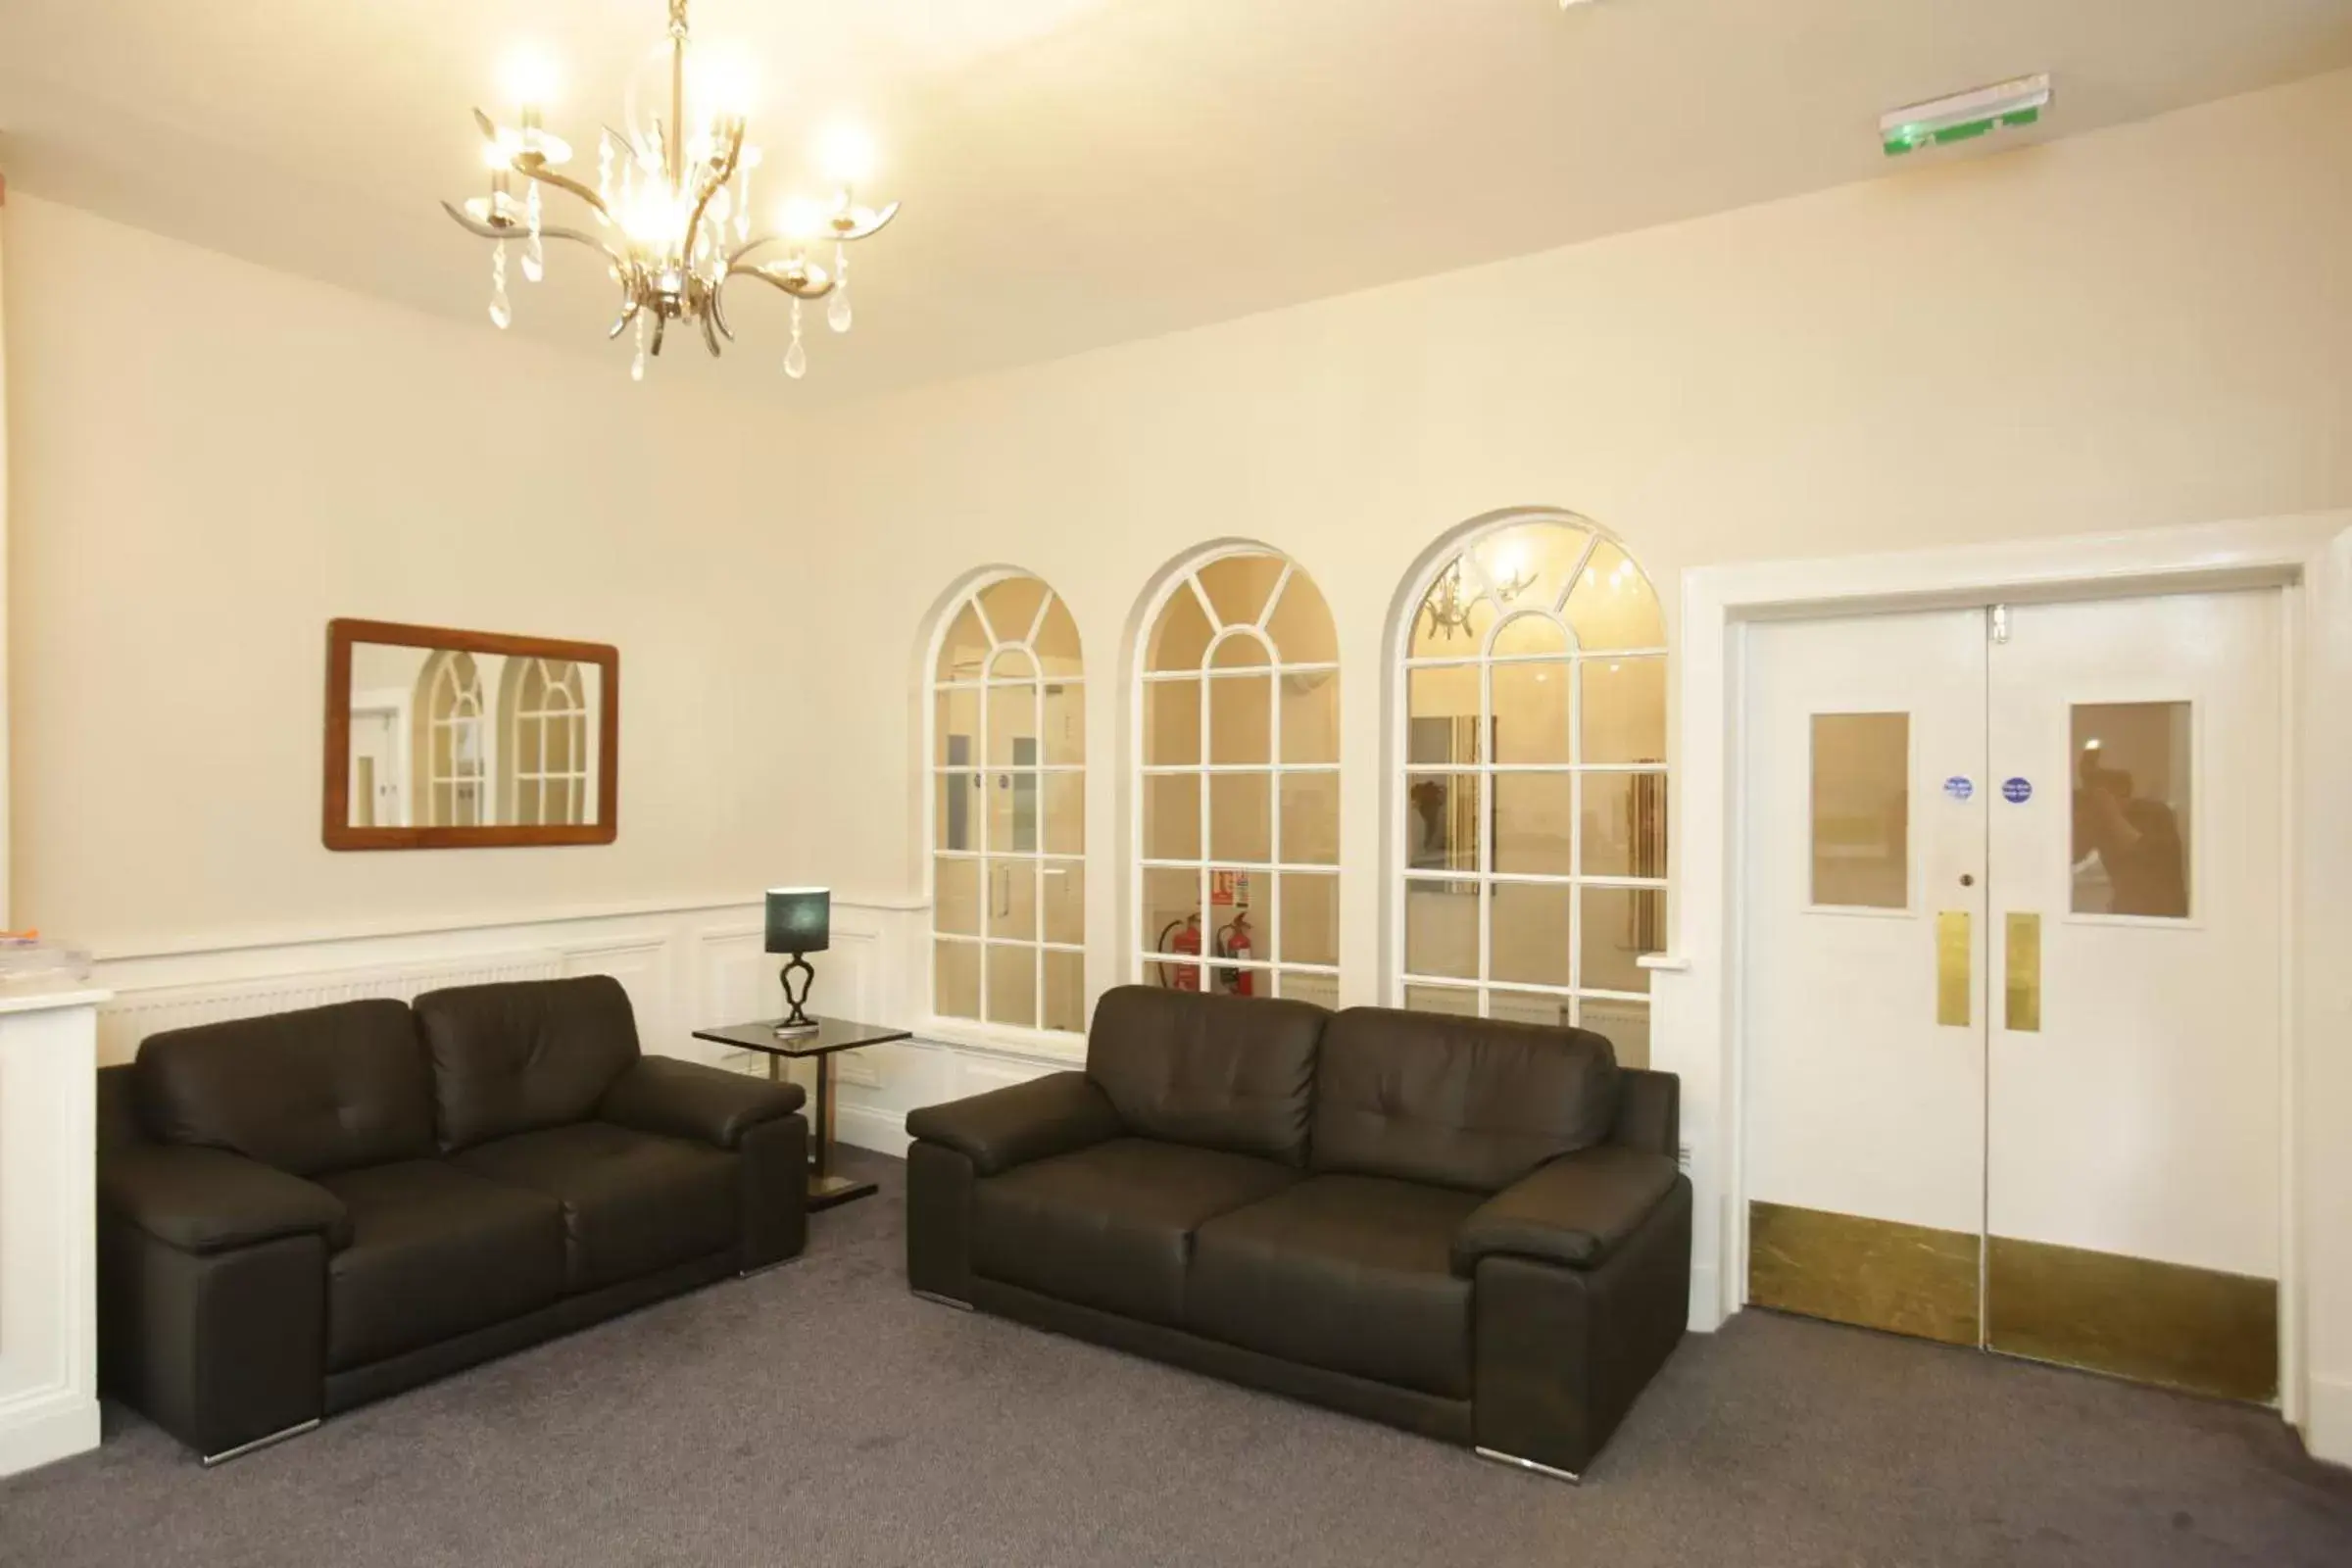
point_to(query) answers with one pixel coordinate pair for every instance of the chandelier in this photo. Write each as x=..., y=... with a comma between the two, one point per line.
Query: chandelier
x=1452, y=599
x=673, y=207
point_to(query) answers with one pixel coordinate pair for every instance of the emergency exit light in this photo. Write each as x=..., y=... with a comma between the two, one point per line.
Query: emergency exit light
x=1965, y=115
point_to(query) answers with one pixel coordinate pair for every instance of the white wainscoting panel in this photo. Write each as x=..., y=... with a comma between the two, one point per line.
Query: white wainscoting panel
x=684, y=968
x=137, y=1012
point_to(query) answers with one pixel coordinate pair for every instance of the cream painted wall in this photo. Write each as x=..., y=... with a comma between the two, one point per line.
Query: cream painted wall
x=209, y=460
x=2144, y=326
x=2148, y=325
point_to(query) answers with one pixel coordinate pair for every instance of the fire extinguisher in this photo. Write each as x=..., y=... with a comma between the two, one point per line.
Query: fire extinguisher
x=1233, y=941
x=1187, y=943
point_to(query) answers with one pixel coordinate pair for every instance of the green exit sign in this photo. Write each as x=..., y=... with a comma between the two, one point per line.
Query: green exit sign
x=1965, y=115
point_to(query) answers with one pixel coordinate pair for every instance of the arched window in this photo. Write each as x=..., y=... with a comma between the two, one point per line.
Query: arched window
x=452, y=762
x=1238, y=837
x=1007, y=752
x=1531, y=815
x=547, y=775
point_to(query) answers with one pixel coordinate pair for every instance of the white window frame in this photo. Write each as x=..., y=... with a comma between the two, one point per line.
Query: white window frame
x=482, y=776
x=1483, y=878
x=574, y=716
x=980, y=1029
x=1142, y=959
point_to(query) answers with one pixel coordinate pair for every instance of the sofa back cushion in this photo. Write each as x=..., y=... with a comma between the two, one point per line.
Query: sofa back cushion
x=1215, y=1072
x=531, y=1053
x=1464, y=1103
x=321, y=1090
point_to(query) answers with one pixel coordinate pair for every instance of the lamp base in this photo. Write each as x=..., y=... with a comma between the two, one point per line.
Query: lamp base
x=797, y=1022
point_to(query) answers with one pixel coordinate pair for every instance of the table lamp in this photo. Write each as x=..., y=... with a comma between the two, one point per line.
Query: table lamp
x=799, y=921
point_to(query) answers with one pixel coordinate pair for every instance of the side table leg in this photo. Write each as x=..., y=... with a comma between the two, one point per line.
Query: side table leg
x=821, y=1144
x=825, y=1189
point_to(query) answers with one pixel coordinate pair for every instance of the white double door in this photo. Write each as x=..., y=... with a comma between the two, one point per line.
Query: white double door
x=2012, y=904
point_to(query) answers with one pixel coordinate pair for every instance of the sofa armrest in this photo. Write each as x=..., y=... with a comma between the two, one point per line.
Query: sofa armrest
x=689, y=1100
x=1007, y=1127
x=206, y=1201
x=1576, y=1209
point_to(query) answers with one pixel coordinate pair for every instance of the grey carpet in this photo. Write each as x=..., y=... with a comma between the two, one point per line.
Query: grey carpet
x=819, y=1414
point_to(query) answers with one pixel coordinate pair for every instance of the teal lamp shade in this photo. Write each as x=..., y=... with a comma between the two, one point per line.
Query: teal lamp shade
x=799, y=919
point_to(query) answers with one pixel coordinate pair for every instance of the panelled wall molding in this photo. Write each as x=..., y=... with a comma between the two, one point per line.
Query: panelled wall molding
x=1697, y=985
x=684, y=967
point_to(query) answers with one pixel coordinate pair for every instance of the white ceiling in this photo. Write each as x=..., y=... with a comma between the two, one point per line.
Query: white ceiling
x=1075, y=172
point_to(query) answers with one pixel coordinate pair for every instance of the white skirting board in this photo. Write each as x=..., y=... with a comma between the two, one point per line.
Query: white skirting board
x=2328, y=1419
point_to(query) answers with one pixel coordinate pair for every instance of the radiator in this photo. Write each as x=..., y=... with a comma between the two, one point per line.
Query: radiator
x=135, y=1014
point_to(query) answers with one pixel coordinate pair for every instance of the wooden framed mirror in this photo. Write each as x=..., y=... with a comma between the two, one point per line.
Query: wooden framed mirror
x=454, y=740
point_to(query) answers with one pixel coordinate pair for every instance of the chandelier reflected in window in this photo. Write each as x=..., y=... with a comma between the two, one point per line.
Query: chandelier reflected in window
x=673, y=206
x=1455, y=595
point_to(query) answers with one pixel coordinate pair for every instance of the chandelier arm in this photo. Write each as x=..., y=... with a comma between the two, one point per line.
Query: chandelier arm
x=716, y=173
x=718, y=312
x=629, y=307
x=814, y=283
x=531, y=165
x=710, y=334
x=757, y=241
x=843, y=236
x=873, y=224
x=513, y=230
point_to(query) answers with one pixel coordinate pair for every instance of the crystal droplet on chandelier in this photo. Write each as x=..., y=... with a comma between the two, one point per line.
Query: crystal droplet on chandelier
x=637, y=364
x=534, y=259
x=796, y=357
x=502, y=313
x=838, y=314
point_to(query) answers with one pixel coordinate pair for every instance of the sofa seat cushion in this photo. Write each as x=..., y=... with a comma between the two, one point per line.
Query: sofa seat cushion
x=1349, y=1273
x=434, y=1253
x=633, y=1202
x=1111, y=1226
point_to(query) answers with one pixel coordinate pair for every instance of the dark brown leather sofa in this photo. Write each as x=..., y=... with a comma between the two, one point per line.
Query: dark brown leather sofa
x=301, y=1212
x=1473, y=1229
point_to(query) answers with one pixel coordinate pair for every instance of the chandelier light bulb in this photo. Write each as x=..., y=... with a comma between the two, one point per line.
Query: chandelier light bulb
x=529, y=79
x=725, y=84
x=802, y=219
x=844, y=155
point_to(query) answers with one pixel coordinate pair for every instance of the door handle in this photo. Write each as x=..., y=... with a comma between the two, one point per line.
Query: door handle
x=2021, y=976
x=1953, y=969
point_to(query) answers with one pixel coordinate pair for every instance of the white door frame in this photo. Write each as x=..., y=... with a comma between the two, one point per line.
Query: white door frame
x=1697, y=983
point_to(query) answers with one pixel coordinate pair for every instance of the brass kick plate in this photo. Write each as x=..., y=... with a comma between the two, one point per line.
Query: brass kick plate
x=2023, y=983
x=1951, y=969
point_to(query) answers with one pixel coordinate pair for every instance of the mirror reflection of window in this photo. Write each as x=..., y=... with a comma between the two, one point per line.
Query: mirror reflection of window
x=453, y=758
x=2131, y=809
x=443, y=737
x=547, y=751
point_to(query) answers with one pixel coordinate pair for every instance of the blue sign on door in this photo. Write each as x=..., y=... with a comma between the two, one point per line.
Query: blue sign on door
x=2017, y=791
x=1959, y=787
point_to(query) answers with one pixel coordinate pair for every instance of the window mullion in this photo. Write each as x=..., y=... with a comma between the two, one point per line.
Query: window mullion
x=1488, y=822
x=1576, y=838
x=1037, y=834
x=1273, y=937
x=984, y=810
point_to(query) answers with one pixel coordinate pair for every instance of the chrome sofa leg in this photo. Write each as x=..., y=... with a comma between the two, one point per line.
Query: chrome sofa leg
x=243, y=1448
x=1513, y=1460
x=944, y=1300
